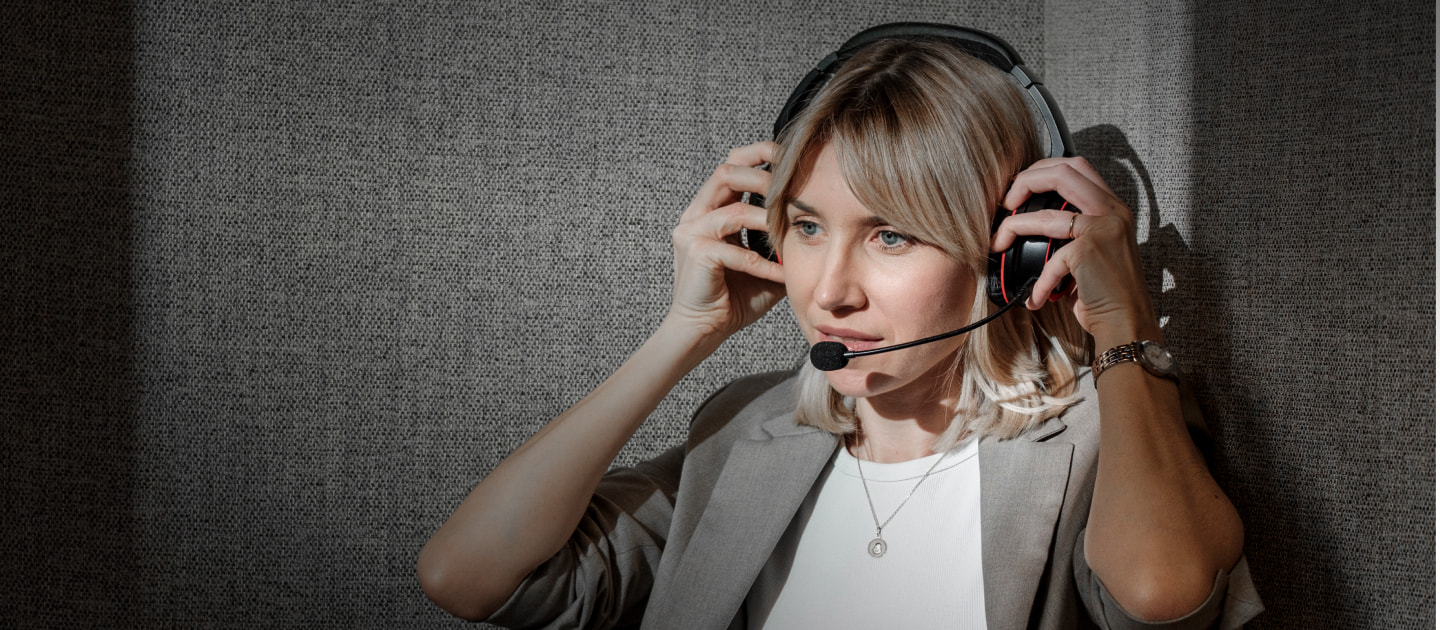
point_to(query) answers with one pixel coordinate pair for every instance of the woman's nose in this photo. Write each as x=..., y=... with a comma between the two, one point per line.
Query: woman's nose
x=839, y=287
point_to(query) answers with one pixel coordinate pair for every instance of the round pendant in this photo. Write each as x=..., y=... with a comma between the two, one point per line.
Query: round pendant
x=877, y=548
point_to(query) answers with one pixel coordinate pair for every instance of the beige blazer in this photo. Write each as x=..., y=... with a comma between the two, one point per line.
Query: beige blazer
x=677, y=541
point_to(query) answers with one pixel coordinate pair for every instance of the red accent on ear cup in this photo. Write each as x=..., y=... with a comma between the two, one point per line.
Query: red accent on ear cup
x=1003, y=262
x=1003, y=295
x=1027, y=255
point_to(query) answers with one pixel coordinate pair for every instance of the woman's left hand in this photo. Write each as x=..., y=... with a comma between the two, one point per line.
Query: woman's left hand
x=1110, y=297
x=1159, y=528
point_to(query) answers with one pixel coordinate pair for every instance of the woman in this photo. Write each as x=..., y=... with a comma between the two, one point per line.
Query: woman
x=908, y=488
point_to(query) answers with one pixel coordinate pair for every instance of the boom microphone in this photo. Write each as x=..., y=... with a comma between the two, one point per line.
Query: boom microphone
x=828, y=356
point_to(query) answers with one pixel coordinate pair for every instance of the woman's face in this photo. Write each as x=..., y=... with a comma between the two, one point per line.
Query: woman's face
x=852, y=278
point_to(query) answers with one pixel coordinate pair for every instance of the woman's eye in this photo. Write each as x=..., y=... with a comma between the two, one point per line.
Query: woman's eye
x=806, y=228
x=892, y=239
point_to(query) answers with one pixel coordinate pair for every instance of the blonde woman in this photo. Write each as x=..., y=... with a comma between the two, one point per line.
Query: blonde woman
x=986, y=480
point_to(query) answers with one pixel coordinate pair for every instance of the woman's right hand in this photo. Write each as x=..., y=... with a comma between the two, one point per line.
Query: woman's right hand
x=721, y=287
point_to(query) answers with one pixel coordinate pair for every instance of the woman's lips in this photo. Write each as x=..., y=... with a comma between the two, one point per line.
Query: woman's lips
x=854, y=340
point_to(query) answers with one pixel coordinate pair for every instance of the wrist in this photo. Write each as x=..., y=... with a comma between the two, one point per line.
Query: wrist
x=1113, y=334
x=689, y=337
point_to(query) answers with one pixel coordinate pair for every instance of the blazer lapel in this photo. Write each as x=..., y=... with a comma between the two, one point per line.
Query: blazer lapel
x=1022, y=487
x=765, y=479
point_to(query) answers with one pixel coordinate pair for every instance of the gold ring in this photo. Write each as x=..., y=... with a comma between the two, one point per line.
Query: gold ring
x=1070, y=236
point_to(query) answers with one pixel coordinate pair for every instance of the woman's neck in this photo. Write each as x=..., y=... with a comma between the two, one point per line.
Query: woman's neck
x=899, y=429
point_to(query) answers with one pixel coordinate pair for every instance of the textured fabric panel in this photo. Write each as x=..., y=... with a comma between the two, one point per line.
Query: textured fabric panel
x=67, y=360
x=376, y=245
x=284, y=279
x=1290, y=151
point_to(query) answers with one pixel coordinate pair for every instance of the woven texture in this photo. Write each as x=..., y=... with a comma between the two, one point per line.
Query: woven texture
x=284, y=280
x=1291, y=151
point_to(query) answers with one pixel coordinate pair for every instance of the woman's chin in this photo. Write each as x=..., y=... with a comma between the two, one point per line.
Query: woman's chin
x=859, y=383
x=867, y=377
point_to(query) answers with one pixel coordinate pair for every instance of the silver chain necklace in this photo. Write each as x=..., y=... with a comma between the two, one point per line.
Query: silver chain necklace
x=877, y=546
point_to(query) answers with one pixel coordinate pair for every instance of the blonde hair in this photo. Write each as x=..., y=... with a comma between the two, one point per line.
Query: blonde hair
x=929, y=137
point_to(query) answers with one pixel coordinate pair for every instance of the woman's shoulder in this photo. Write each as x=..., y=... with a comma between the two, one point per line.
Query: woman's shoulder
x=755, y=394
x=744, y=402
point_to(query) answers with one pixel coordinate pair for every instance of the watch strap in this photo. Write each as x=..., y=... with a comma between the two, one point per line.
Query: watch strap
x=1133, y=352
x=1123, y=353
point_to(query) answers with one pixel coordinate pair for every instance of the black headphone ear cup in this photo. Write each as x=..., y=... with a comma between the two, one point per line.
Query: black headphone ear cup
x=756, y=240
x=1025, y=259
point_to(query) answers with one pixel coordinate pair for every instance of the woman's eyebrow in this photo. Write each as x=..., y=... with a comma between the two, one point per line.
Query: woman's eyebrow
x=805, y=208
x=802, y=207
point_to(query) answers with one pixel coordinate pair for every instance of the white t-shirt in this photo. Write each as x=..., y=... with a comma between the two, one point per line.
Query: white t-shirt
x=822, y=576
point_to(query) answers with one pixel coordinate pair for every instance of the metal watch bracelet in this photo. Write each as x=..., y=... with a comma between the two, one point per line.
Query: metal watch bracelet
x=1150, y=355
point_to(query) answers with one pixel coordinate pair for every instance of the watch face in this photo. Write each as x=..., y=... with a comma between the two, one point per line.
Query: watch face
x=1156, y=355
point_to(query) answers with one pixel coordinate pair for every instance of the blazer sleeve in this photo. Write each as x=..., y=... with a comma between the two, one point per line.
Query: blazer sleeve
x=603, y=575
x=1232, y=602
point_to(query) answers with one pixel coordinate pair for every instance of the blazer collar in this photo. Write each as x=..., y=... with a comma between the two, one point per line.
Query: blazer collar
x=763, y=483
x=1022, y=483
x=1022, y=488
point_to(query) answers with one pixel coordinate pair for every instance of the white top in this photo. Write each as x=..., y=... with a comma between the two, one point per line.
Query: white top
x=821, y=575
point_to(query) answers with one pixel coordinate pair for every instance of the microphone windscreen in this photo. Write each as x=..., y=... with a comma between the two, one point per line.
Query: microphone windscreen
x=828, y=356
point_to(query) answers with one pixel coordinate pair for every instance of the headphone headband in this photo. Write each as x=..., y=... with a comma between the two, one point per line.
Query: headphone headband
x=978, y=44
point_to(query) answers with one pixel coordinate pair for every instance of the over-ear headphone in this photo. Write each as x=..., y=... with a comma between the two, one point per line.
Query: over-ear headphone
x=1013, y=268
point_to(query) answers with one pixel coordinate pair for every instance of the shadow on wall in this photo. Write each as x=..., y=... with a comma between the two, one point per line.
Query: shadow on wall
x=1162, y=249
x=1168, y=261
x=67, y=387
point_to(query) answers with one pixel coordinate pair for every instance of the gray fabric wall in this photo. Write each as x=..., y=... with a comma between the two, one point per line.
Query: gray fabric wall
x=1292, y=151
x=283, y=280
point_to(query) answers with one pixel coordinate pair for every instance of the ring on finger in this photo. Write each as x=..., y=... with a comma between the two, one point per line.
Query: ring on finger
x=1070, y=234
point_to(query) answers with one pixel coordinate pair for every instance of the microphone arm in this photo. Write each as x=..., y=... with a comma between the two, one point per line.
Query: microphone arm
x=832, y=355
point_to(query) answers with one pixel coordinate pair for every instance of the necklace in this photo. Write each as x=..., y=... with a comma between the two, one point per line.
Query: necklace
x=877, y=547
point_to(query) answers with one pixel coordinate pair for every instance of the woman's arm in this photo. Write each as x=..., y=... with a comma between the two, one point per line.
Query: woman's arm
x=525, y=510
x=1159, y=528
x=522, y=513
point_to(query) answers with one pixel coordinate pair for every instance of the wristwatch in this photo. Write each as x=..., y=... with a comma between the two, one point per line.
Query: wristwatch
x=1150, y=355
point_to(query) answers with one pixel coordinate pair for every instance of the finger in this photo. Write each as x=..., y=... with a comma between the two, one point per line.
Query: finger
x=753, y=154
x=1060, y=176
x=748, y=262
x=717, y=253
x=721, y=224
x=1054, y=272
x=1081, y=165
x=724, y=186
x=1084, y=194
x=1050, y=223
x=728, y=220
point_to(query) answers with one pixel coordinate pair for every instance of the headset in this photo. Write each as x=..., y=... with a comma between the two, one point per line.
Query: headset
x=1011, y=273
